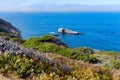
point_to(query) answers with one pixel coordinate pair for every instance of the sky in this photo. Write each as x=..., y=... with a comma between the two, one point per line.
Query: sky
x=59, y=5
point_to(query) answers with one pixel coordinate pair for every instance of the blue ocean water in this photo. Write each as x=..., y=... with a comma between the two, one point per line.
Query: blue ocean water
x=101, y=30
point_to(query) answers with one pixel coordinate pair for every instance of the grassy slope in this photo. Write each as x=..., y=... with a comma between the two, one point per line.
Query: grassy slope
x=53, y=48
x=104, y=58
x=109, y=59
x=80, y=70
x=29, y=69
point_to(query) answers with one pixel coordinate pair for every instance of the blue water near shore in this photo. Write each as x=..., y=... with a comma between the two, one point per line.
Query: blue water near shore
x=101, y=30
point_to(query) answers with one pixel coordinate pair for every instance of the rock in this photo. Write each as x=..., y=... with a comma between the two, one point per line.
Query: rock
x=61, y=30
x=88, y=51
x=54, y=40
x=68, y=31
x=9, y=28
x=57, y=41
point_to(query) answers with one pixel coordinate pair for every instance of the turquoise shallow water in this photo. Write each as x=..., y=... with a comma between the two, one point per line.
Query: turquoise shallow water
x=101, y=30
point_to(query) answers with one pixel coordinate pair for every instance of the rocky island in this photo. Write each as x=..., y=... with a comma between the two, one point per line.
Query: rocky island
x=48, y=58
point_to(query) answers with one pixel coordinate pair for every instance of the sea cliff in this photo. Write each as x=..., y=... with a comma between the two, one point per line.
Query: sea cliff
x=9, y=28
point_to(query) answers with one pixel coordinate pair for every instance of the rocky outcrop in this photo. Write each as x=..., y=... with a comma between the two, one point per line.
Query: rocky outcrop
x=9, y=28
x=88, y=51
x=57, y=41
x=68, y=31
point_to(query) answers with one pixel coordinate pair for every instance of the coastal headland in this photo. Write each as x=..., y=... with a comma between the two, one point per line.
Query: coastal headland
x=48, y=58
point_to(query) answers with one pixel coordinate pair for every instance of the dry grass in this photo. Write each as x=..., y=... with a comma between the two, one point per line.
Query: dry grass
x=115, y=73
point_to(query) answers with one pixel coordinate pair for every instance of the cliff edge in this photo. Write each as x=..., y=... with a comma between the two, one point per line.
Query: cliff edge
x=7, y=27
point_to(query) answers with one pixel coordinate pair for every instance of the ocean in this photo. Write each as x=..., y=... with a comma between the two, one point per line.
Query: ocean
x=101, y=30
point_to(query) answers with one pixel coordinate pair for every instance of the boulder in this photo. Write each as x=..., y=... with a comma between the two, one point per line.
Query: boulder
x=88, y=51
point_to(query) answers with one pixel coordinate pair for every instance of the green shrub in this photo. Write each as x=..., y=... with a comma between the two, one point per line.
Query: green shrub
x=39, y=44
x=111, y=53
x=113, y=64
x=18, y=65
x=6, y=35
x=116, y=64
x=52, y=48
x=32, y=42
x=35, y=42
x=46, y=38
x=25, y=67
x=92, y=74
x=17, y=40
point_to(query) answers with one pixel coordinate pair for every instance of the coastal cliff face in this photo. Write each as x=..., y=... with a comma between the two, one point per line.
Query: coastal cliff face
x=9, y=28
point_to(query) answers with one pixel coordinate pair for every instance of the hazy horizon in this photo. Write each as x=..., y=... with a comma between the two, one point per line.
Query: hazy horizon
x=60, y=6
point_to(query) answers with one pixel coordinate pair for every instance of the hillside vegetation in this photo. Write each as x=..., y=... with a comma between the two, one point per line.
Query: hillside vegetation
x=44, y=44
x=48, y=58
